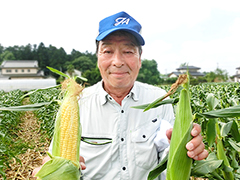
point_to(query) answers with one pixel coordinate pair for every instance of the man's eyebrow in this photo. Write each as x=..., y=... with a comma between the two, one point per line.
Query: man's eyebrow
x=129, y=44
x=106, y=43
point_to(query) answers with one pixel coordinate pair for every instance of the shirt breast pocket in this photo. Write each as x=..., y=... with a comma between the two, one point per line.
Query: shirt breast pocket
x=97, y=154
x=142, y=138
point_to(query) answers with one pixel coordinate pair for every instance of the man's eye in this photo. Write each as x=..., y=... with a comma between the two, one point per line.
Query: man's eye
x=128, y=52
x=107, y=52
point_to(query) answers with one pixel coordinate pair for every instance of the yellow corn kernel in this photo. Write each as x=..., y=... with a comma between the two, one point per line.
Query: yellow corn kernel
x=69, y=130
x=64, y=163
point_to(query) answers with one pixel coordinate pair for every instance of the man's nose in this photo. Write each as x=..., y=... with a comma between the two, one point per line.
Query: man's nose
x=118, y=60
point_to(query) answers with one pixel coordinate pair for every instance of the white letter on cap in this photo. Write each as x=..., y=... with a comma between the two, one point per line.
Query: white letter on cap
x=121, y=20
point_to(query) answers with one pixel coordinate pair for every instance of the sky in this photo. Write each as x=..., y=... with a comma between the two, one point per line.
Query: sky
x=205, y=33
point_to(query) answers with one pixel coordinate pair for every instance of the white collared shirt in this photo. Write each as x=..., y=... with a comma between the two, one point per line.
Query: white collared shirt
x=135, y=136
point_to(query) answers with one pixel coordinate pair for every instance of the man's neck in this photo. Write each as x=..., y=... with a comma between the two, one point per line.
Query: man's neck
x=117, y=94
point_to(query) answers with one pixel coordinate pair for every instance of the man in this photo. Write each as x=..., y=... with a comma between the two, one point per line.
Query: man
x=127, y=141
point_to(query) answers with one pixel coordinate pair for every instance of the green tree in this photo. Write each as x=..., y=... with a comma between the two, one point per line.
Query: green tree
x=221, y=74
x=149, y=72
x=93, y=75
x=70, y=69
x=170, y=80
x=43, y=58
x=83, y=63
x=7, y=55
x=210, y=76
x=57, y=57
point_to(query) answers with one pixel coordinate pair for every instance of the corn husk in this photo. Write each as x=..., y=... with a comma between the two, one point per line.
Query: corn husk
x=60, y=167
x=179, y=164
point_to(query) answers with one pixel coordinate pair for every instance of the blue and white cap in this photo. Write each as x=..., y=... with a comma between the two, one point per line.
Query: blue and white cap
x=120, y=21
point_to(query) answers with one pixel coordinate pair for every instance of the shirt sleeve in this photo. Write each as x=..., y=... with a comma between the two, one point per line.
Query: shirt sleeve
x=161, y=140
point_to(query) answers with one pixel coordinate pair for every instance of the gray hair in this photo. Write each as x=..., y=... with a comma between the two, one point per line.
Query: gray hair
x=123, y=33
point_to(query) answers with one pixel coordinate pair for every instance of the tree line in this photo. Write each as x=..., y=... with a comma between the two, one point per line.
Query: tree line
x=86, y=62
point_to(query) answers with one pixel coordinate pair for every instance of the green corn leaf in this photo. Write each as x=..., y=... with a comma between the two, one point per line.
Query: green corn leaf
x=29, y=107
x=158, y=169
x=234, y=162
x=82, y=78
x=58, y=72
x=58, y=168
x=230, y=112
x=228, y=170
x=153, y=104
x=40, y=89
x=235, y=145
x=212, y=101
x=235, y=132
x=167, y=101
x=225, y=128
x=204, y=167
x=211, y=132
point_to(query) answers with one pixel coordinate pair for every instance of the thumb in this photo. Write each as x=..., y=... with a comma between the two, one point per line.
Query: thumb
x=169, y=134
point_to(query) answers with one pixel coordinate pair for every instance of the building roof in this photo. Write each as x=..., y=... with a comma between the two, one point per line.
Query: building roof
x=191, y=73
x=188, y=67
x=236, y=75
x=19, y=64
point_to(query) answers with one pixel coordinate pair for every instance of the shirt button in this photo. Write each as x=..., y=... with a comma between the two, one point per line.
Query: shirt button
x=124, y=168
x=122, y=111
x=144, y=136
x=122, y=139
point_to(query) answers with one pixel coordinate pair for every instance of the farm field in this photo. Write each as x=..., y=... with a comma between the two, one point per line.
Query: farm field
x=25, y=136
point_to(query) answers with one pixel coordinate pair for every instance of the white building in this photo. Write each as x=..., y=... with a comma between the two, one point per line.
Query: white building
x=193, y=71
x=24, y=75
x=20, y=69
x=237, y=75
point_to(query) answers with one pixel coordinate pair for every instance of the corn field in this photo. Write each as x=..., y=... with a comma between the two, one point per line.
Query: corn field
x=221, y=134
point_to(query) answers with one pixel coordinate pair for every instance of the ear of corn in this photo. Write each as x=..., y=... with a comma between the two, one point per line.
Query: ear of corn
x=179, y=164
x=64, y=163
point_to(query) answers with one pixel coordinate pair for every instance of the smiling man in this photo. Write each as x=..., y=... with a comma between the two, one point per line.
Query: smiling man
x=121, y=142
x=119, y=62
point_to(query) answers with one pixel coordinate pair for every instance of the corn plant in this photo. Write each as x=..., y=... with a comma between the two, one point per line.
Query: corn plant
x=47, y=114
x=9, y=120
x=216, y=108
x=64, y=163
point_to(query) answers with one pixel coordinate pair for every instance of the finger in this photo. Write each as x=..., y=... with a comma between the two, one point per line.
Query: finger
x=196, y=151
x=35, y=171
x=81, y=159
x=47, y=158
x=194, y=143
x=169, y=133
x=83, y=166
x=82, y=163
x=196, y=130
x=202, y=155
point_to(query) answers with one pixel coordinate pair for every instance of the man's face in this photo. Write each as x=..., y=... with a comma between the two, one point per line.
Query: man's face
x=119, y=61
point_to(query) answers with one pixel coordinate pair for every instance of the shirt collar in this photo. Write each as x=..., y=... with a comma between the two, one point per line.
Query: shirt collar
x=134, y=92
x=104, y=95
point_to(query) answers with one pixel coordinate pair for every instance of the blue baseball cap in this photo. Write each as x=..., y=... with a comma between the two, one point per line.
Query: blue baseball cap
x=120, y=21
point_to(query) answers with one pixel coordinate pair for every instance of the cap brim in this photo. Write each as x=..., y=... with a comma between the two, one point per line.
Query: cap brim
x=134, y=33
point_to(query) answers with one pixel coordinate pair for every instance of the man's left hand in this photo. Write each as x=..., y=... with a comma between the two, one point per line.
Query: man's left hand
x=196, y=148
